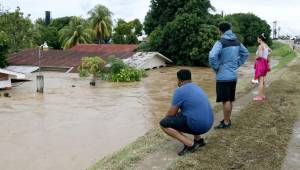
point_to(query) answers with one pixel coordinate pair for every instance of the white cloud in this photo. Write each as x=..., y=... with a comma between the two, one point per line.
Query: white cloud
x=129, y=9
x=284, y=12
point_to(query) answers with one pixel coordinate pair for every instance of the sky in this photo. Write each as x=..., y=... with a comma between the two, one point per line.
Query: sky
x=282, y=11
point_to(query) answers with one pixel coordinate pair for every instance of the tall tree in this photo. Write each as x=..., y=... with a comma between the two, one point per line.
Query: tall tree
x=60, y=23
x=188, y=37
x=249, y=27
x=101, y=20
x=161, y=12
x=50, y=33
x=75, y=33
x=127, y=32
x=18, y=28
x=3, y=49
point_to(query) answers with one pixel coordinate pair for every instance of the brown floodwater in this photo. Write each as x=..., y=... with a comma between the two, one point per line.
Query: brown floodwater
x=72, y=125
x=71, y=128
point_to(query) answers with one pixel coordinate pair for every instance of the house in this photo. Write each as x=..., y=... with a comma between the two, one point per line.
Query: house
x=6, y=77
x=147, y=60
x=69, y=60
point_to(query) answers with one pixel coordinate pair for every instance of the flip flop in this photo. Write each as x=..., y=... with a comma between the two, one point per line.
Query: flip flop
x=258, y=98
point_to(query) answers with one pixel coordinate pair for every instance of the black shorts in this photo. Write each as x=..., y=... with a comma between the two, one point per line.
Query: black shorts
x=178, y=122
x=226, y=91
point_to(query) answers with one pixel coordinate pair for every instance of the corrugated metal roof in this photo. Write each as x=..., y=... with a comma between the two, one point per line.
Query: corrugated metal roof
x=105, y=48
x=71, y=57
x=8, y=72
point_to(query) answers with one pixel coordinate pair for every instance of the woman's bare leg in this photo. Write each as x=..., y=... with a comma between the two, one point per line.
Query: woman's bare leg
x=261, y=86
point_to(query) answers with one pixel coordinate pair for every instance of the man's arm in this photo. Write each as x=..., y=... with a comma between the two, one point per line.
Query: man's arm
x=244, y=54
x=173, y=111
x=214, y=55
x=177, y=101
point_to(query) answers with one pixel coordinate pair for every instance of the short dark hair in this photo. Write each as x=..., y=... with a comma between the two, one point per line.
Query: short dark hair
x=184, y=74
x=224, y=26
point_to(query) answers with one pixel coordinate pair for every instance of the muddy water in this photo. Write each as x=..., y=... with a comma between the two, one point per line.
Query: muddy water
x=72, y=127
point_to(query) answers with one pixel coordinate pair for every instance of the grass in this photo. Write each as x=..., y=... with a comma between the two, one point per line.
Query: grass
x=285, y=53
x=260, y=135
x=252, y=49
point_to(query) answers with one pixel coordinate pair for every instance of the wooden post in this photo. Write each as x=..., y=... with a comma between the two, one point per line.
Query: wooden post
x=40, y=83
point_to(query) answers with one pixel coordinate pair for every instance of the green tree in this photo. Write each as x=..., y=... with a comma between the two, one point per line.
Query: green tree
x=50, y=33
x=249, y=27
x=92, y=65
x=101, y=20
x=3, y=49
x=46, y=33
x=127, y=32
x=18, y=28
x=60, y=23
x=75, y=33
x=161, y=12
x=188, y=38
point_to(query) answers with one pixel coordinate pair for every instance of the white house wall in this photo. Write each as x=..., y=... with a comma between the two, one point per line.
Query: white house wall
x=154, y=62
x=5, y=84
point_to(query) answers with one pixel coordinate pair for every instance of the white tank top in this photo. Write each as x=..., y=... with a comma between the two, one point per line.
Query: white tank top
x=265, y=53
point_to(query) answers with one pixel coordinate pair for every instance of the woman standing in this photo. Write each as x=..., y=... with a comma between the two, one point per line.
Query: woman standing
x=262, y=66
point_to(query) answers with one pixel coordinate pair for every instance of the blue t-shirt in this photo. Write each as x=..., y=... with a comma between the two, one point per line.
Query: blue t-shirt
x=194, y=105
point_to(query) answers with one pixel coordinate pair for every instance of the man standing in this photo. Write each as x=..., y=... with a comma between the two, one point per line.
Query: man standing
x=227, y=55
x=190, y=113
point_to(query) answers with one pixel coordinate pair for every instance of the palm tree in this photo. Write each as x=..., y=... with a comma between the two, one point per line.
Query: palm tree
x=75, y=33
x=101, y=20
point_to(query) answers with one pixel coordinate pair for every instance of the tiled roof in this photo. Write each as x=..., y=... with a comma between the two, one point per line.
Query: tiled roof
x=71, y=57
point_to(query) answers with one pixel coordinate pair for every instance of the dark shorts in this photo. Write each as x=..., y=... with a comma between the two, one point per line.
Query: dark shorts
x=226, y=91
x=178, y=122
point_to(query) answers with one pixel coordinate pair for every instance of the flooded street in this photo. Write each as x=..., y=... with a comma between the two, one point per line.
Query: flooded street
x=72, y=127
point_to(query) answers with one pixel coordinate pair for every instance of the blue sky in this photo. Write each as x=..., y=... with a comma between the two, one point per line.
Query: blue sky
x=282, y=11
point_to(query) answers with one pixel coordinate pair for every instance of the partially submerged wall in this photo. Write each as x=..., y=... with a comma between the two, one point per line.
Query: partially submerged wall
x=5, y=81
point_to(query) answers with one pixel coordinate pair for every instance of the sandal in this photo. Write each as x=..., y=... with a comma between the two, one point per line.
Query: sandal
x=258, y=98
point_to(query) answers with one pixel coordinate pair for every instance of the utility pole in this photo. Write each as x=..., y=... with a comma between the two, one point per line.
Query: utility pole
x=274, y=29
x=279, y=28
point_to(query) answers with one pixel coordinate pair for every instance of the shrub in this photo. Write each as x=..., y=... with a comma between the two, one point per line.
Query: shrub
x=117, y=65
x=83, y=73
x=128, y=75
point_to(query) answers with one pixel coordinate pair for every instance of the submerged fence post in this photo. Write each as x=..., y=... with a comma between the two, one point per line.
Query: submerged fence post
x=40, y=83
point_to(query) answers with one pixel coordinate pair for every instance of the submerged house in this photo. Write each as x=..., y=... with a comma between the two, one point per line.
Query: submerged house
x=69, y=60
x=7, y=76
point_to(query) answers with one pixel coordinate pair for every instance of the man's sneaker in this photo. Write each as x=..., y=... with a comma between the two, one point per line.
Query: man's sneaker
x=188, y=149
x=222, y=125
x=200, y=142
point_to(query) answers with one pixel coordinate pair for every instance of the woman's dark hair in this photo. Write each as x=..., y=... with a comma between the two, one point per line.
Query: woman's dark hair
x=263, y=37
x=224, y=26
x=184, y=75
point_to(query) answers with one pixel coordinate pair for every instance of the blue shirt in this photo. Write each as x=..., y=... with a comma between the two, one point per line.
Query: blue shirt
x=194, y=105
